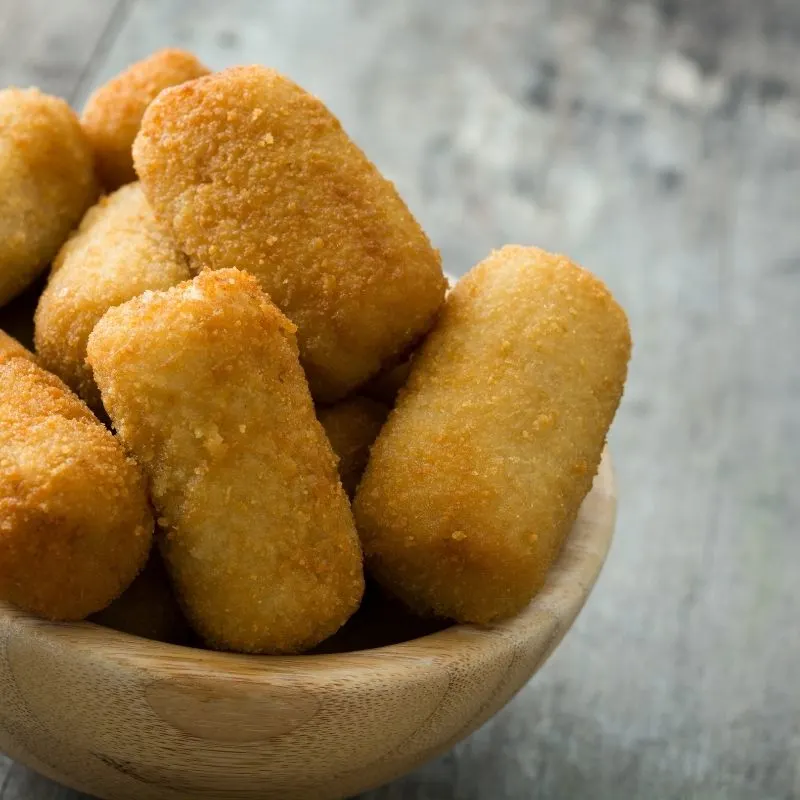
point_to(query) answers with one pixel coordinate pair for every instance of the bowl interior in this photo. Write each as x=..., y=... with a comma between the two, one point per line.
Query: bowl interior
x=122, y=717
x=382, y=626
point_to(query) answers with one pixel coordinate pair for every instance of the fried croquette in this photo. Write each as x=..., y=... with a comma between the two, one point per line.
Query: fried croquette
x=477, y=476
x=11, y=348
x=47, y=181
x=118, y=252
x=386, y=385
x=112, y=115
x=148, y=608
x=351, y=427
x=75, y=524
x=250, y=171
x=204, y=385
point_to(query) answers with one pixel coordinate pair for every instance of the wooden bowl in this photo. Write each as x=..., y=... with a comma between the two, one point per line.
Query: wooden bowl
x=121, y=717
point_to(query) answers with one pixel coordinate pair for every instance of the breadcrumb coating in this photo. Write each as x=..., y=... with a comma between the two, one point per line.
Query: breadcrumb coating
x=113, y=113
x=204, y=385
x=47, y=181
x=479, y=472
x=11, y=348
x=75, y=524
x=352, y=426
x=250, y=171
x=118, y=252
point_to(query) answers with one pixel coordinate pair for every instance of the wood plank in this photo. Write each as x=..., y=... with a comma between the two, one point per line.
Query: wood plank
x=5, y=766
x=649, y=193
x=48, y=44
x=746, y=609
x=633, y=190
x=657, y=141
x=24, y=784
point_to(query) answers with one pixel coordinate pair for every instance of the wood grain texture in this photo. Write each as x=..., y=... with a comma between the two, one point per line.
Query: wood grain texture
x=51, y=45
x=130, y=719
x=658, y=142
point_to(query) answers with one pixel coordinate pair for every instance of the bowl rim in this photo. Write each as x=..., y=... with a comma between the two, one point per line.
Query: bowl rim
x=548, y=616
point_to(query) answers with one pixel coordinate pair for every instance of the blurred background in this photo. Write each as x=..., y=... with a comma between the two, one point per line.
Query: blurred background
x=657, y=142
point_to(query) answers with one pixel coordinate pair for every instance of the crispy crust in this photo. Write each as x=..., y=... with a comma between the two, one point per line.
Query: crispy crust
x=113, y=113
x=118, y=252
x=75, y=524
x=47, y=181
x=250, y=171
x=478, y=474
x=204, y=385
x=11, y=348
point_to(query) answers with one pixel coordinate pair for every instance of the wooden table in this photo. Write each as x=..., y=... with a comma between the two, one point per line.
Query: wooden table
x=657, y=142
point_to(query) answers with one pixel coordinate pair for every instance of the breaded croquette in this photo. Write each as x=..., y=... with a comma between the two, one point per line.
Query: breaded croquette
x=204, y=386
x=478, y=475
x=250, y=171
x=386, y=385
x=11, y=348
x=47, y=181
x=118, y=252
x=351, y=427
x=112, y=115
x=148, y=608
x=75, y=524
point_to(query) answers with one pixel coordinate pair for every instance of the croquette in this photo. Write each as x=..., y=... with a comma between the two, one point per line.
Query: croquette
x=118, y=252
x=75, y=523
x=47, y=181
x=113, y=113
x=11, y=348
x=478, y=474
x=203, y=384
x=250, y=171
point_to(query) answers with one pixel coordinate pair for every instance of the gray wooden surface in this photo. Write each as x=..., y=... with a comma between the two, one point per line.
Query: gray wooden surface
x=658, y=142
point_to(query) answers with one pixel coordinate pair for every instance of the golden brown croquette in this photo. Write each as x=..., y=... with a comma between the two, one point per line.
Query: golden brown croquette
x=75, y=524
x=113, y=113
x=11, y=348
x=47, y=181
x=478, y=474
x=250, y=171
x=118, y=252
x=204, y=385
